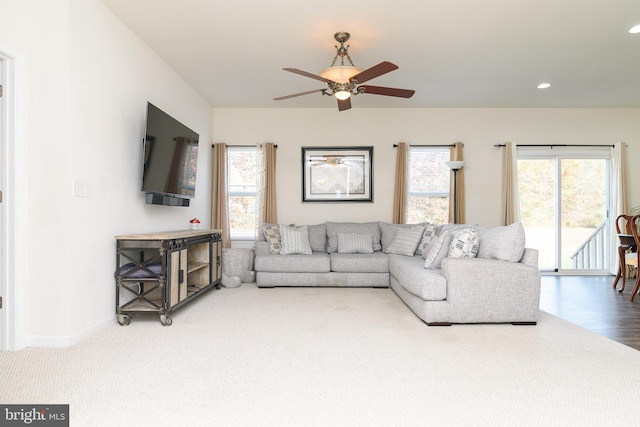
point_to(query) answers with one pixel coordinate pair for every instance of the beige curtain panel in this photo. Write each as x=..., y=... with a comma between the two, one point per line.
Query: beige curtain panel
x=269, y=201
x=219, y=208
x=456, y=154
x=400, y=191
x=510, y=199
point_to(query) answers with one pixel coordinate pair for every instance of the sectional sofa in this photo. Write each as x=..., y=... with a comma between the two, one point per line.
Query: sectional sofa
x=444, y=273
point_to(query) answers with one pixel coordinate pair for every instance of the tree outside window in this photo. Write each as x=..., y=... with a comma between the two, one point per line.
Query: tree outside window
x=242, y=191
x=429, y=177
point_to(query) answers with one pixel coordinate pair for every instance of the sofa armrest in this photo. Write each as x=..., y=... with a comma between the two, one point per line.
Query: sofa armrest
x=492, y=289
x=530, y=257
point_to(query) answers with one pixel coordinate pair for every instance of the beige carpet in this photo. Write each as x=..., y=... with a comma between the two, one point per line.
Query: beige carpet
x=340, y=357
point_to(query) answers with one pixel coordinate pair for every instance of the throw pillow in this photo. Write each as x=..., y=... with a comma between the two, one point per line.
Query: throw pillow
x=430, y=232
x=333, y=228
x=295, y=240
x=406, y=241
x=272, y=234
x=464, y=244
x=504, y=243
x=355, y=243
x=437, y=250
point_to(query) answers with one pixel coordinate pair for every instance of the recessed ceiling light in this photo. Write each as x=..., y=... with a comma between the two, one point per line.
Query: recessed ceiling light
x=544, y=85
x=635, y=29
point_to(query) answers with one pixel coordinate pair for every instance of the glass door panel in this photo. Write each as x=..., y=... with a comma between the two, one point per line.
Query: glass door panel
x=584, y=213
x=537, y=187
x=563, y=208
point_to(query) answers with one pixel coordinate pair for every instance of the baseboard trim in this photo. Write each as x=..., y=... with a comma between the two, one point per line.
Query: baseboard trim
x=60, y=341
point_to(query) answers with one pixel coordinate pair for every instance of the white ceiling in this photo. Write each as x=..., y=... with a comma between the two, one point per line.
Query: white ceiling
x=454, y=53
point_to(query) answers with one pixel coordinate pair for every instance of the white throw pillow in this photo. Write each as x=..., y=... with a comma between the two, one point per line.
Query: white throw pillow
x=355, y=243
x=437, y=250
x=295, y=240
x=464, y=244
x=406, y=241
x=504, y=243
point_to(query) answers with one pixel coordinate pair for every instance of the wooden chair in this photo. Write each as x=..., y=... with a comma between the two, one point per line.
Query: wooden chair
x=628, y=255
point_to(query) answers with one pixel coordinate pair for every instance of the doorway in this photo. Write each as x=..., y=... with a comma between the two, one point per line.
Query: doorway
x=3, y=260
x=564, y=200
x=11, y=337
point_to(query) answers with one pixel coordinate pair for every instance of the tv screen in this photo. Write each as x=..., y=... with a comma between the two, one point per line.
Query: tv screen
x=170, y=156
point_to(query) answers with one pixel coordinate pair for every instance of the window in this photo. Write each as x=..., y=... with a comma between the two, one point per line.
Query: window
x=242, y=191
x=428, y=184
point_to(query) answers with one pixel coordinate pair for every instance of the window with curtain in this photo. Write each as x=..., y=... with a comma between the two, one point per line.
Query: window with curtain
x=242, y=170
x=428, y=182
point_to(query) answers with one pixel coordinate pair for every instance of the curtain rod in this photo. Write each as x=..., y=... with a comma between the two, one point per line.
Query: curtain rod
x=213, y=145
x=435, y=145
x=556, y=145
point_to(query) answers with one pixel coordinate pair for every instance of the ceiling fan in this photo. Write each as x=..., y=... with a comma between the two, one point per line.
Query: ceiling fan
x=346, y=80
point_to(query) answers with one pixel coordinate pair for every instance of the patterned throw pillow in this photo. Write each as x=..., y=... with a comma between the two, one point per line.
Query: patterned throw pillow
x=355, y=243
x=430, y=232
x=272, y=234
x=464, y=244
x=294, y=240
x=437, y=250
x=406, y=241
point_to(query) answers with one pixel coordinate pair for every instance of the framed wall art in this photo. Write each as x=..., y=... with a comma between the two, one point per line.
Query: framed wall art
x=337, y=174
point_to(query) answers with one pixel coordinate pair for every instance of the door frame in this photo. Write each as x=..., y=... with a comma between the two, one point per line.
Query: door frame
x=572, y=152
x=11, y=226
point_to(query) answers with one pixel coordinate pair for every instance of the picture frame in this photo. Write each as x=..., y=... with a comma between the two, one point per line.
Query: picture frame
x=337, y=174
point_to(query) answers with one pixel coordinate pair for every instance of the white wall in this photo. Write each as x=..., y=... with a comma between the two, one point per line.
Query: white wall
x=478, y=129
x=85, y=81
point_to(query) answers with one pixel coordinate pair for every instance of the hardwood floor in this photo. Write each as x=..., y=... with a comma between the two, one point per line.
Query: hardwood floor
x=591, y=302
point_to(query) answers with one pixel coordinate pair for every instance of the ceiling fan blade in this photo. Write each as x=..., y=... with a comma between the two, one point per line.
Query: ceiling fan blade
x=388, y=91
x=307, y=74
x=280, y=98
x=375, y=71
x=344, y=105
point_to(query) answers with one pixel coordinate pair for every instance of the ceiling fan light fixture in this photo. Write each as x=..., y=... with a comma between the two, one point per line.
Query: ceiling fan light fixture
x=342, y=95
x=340, y=73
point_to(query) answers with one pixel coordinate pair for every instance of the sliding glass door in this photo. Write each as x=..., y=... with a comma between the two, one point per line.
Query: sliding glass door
x=564, y=203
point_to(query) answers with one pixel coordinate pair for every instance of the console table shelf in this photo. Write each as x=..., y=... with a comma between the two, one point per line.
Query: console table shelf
x=160, y=272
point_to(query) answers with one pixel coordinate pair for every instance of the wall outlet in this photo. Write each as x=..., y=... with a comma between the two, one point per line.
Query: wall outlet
x=80, y=188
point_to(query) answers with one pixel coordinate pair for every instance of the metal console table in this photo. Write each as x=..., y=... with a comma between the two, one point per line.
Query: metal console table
x=160, y=272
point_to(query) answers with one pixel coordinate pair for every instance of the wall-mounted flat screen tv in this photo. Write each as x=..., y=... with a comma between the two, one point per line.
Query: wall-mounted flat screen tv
x=170, y=159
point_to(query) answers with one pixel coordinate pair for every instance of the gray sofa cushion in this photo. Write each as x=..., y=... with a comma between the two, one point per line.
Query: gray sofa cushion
x=318, y=237
x=429, y=285
x=376, y=262
x=333, y=228
x=503, y=243
x=317, y=262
